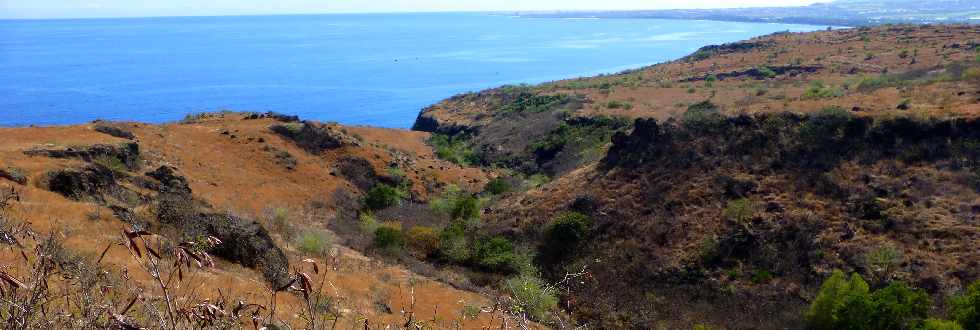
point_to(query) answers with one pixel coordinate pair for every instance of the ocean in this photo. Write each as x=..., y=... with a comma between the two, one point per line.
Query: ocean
x=356, y=69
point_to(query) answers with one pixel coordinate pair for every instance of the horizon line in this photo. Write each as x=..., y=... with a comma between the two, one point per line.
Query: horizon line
x=379, y=13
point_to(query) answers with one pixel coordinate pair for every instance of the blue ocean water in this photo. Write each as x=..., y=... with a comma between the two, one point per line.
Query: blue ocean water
x=371, y=69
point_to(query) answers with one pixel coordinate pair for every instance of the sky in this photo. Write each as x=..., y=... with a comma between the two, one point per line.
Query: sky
x=142, y=8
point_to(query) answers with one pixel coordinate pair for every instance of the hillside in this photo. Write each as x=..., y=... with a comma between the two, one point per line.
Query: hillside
x=752, y=171
x=720, y=190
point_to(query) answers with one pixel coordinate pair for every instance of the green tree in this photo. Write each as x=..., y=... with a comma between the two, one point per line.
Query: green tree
x=382, y=196
x=965, y=309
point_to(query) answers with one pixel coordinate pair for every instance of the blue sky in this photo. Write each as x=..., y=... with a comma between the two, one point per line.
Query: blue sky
x=129, y=8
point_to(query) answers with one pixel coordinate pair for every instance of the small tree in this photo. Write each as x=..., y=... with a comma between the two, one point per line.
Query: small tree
x=564, y=234
x=965, y=309
x=532, y=297
x=388, y=237
x=382, y=196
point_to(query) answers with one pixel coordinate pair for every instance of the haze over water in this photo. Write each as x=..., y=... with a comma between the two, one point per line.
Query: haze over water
x=370, y=69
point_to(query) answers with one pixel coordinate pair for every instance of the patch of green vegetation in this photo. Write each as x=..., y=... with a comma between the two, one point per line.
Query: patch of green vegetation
x=586, y=137
x=454, y=149
x=564, y=235
x=537, y=180
x=367, y=223
x=849, y=304
x=532, y=297
x=458, y=204
x=422, y=240
x=818, y=90
x=383, y=196
x=761, y=276
x=739, y=210
x=965, y=308
x=453, y=245
x=495, y=254
x=111, y=163
x=533, y=103
x=313, y=242
x=703, y=115
x=279, y=221
x=388, y=237
x=497, y=186
x=614, y=104
x=767, y=72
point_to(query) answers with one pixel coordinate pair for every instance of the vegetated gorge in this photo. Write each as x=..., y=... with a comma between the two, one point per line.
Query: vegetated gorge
x=823, y=180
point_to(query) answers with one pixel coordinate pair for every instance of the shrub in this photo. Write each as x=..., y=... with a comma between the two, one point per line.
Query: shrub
x=703, y=115
x=367, y=223
x=903, y=54
x=382, y=196
x=111, y=163
x=843, y=304
x=279, y=220
x=497, y=186
x=564, y=234
x=614, y=104
x=528, y=102
x=388, y=237
x=422, y=240
x=937, y=324
x=739, y=210
x=767, y=72
x=972, y=74
x=965, y=309
x=313, y=242
x=495, y=254
x=453, y=244
x=458, y=204
x=818, y=90
x=761, y=276
x=453, y=149
x=532, y=297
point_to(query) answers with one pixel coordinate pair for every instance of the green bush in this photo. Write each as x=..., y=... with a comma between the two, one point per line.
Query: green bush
x=818, y=90
x=422, y=240
x=313, y=242
x=614, y=104
x=383, y=196
x=528, y=102
x=367, y=223
x=564, y=234
x=453, y=149
x=703, y=115
x=965, y=309
x=387, y=237
x=843, y=304
x=279, y=221
x=453, y=245
x=532, y=297
x=739, y=210
x=495, y=254
x=767, y=72
x=457, y=204
x=497, y=186
x=937, y=324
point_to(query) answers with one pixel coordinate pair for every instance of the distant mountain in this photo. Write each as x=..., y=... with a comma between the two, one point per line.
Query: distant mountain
x=840, y=12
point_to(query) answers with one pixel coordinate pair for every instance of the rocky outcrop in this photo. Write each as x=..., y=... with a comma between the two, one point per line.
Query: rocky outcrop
x=243, y=241
x=315, y=138
x=128, y=154
x=114, y=129
x=13, y=174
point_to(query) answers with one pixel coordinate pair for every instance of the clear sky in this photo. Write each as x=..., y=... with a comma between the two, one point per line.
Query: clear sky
x=128, y=8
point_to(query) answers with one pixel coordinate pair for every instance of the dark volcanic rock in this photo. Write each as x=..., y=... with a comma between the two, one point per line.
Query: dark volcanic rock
x=13, y=174
x=128, y=153
x=115, y=130
x=170, y=181
x=243, y=241
x=91, y=181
